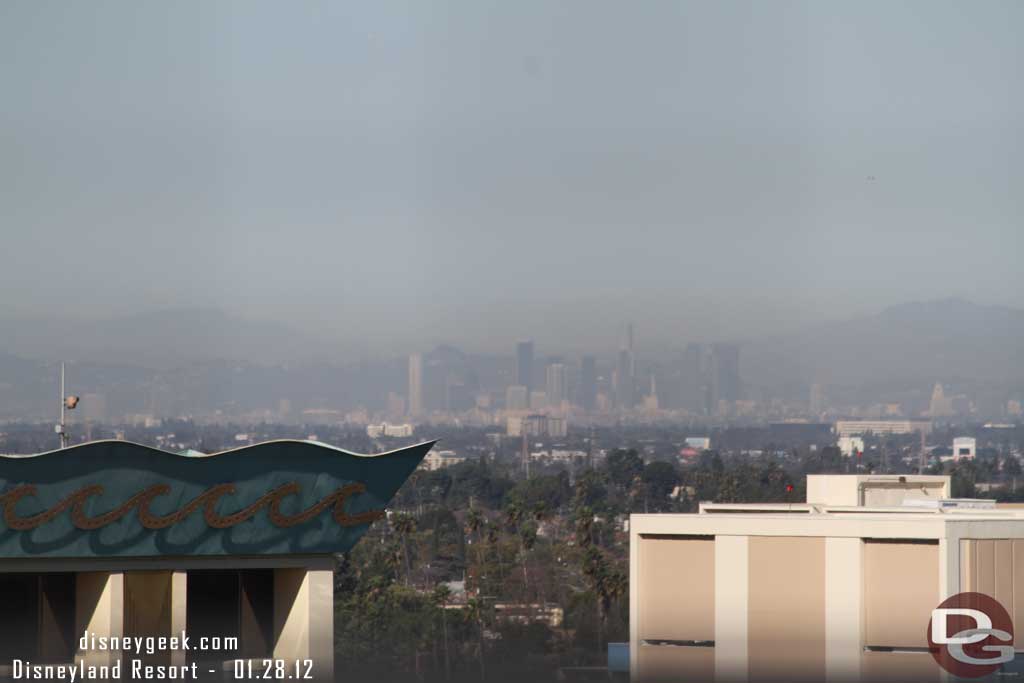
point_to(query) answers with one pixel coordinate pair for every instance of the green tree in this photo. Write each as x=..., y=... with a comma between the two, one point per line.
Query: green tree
x=659, y=479
x=442, y=596
x=405, y=526
x=623, y=466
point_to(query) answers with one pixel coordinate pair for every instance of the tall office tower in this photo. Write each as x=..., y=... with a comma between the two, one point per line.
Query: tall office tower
x=588, y=383
x=517, y=398
x=940, y=406
x=693, y=380
x=625, y=372
x=651, y=402
x=817, y=399
x=416, y=384
x=523, y=375
x=556, y=384
x=538, y=400
x=725, y=374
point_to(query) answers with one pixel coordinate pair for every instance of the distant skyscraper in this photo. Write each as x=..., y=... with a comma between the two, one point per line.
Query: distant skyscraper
x=588, y=383
x=416, y=384
x=625, y=372
x=538, y=400
x=725, y=374
x=693, y=380
x=556, y=384
x=517, y=397
x=651, y=402
x=523, y=374
x=817, y=402
x=940, y=406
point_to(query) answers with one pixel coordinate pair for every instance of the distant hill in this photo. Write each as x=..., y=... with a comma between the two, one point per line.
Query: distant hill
x=161, y=339
x=924, y=341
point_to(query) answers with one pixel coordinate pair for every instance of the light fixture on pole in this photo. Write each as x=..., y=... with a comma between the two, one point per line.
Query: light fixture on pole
x=66, y=403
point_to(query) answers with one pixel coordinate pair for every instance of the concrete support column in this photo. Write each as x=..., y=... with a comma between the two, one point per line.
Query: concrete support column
x=99, y=609
x=844, y=607
x=304, y=618
x=731, y=608
x=179, y=611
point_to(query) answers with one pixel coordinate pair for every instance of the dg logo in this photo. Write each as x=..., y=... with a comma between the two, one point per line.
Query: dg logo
x=970, y=635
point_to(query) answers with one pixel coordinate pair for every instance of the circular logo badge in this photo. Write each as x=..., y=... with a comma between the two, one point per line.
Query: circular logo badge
x=970, y=635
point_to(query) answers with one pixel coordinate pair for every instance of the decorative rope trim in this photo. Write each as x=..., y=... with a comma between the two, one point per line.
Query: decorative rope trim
x=208, y=500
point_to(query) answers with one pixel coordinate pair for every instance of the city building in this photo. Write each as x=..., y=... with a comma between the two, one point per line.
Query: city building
x=559, y=456
x=118, y=540
x=522, y=374
x=588, y=383
x=862, y=427
x=850, y=445
x=538, y=400
x=841, y=588
x=416, y=384
x=625, y=372
x=557, y=427
x=700, y=443
x=694, y=380
x=964, y=448
x=816, y=404
x=536, y=425
x=725, y=374
x=556, y=385
x=517, y=398
x=800, y=432
x=436, y=460
x=939, y=406
x=388, y=429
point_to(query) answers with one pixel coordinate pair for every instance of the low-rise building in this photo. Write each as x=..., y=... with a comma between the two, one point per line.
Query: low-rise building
x=840, y=588
x=385, y=429
x=436, y=460
x=850, y=445
x=964, y=448
x=700, y=443
x=862, y=427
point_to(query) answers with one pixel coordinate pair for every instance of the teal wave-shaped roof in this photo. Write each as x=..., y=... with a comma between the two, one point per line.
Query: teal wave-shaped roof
x=115, y=498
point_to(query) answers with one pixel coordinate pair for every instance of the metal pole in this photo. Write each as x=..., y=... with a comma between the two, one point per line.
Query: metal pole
x=63, y=435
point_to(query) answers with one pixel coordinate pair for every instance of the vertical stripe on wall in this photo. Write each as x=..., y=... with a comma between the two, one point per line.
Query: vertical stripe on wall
x=731, y=587
x=843, y=609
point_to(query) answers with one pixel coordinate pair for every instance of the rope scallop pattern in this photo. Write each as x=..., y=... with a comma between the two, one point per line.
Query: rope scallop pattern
x=207, y=500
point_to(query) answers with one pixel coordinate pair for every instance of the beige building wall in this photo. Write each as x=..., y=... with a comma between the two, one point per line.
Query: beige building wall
x=786, y=609
x=732, y=584
x=676, y=601
x=677, y=584
x=831, y=596
x=996, y=567
x=876, y=490
x=901, y=588
x=304, y=618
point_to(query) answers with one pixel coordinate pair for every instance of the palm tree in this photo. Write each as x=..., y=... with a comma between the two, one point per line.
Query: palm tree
x=442, y=595
x=476, y=615
x=404, y=525
x=494, y=541
x=584, y=526
x=514, y=520
x=474, y=524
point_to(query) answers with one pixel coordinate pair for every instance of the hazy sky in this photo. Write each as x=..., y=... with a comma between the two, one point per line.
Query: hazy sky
x=484, y=170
